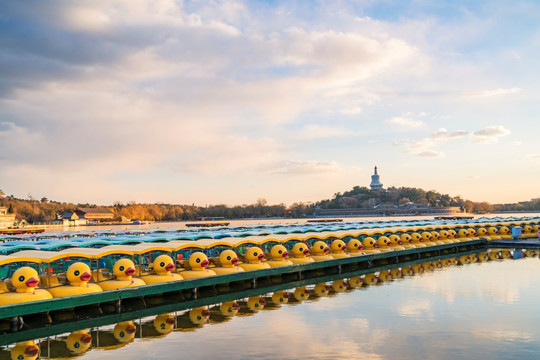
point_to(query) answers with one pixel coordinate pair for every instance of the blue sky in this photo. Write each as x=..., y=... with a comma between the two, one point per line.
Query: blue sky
x=228, y=102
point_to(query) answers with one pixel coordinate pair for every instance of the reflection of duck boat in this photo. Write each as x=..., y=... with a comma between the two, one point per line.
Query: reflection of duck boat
x=26, y=350
x=76, y=344
x=162, y=325
x=193, y=319
x=122, y=334
x=224, y=312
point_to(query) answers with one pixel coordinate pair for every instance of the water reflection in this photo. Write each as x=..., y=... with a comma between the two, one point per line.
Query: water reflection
x=437, y=309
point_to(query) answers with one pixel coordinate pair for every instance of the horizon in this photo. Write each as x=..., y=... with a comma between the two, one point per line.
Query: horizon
x=226, y=103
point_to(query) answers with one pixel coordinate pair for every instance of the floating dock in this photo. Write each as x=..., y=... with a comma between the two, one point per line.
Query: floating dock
x=533, y=244
x=251, y=278
x=202, y=294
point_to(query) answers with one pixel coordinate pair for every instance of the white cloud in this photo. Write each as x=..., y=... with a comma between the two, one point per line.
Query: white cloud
x=308, y=167
x=445, y=134
x=535, y=158
x=351, y=111
x=315, y=131
x=517, y=143
x=490, y=134
x=492, y=92
x=402, y=121
x=423, y=147
x=496, y=130
x=430, y=153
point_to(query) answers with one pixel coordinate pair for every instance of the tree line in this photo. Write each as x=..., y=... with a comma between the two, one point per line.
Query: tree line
x=43, y=210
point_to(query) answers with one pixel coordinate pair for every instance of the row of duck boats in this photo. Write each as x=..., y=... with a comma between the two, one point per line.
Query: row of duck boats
x=123, y=333
x=81, y=271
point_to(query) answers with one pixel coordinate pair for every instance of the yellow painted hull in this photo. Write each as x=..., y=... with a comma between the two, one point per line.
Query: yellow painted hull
x=339, y=256
x=63, y=291
x=248, y=266
x=302, y=260
x=156, y=279
x=321, y=257
x=120, y=284
x=278, y=263
x=192, y=274
x=16, y=298
x=227, y=270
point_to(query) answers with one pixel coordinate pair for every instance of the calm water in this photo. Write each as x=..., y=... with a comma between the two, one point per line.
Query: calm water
x=182, y=224
x=477, y=311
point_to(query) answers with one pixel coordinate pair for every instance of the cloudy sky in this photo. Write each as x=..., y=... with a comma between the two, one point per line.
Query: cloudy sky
x=212, y=102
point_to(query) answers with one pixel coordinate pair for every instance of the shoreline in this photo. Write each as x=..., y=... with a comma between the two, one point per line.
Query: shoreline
x=255, y=221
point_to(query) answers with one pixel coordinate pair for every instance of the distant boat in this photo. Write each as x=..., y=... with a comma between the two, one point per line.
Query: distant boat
x=140, y=222
x=324, y=220
x=17, y=231
x=208, y=224
x=450, y=217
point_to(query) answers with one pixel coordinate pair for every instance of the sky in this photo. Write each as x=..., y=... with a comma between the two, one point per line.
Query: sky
x=227, y=102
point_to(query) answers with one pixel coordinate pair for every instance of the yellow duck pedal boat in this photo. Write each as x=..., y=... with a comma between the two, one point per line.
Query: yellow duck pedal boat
x=279, y=256
x=78, y=275
x=25, y=281
x=299, y=254
x=123, y=271
x=198, y=262
x=163, y=268
x=229, y=263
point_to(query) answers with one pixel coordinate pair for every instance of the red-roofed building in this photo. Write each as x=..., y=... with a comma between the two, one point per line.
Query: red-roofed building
x=95, y=214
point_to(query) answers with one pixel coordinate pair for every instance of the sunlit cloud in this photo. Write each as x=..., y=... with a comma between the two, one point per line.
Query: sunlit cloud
x=445, y=134
x=490, y=134
x=351, y=111
x=493, y=92
x=402, y=121
x=308, y=168
x=323, y=131
x=431, y=153
x=423, y=147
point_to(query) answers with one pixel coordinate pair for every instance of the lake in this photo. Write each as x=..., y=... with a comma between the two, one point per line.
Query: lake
x=476, y=311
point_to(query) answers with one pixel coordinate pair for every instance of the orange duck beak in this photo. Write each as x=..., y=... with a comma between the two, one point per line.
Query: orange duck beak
x=169, y=267
x=86, y=276
x=32, y=282
x=129, y=271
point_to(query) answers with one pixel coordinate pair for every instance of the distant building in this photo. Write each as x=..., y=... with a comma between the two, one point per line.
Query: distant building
x=71, y=219
x=6, y=220
x=95, y=214
x=407, y=209
x=375, y=182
